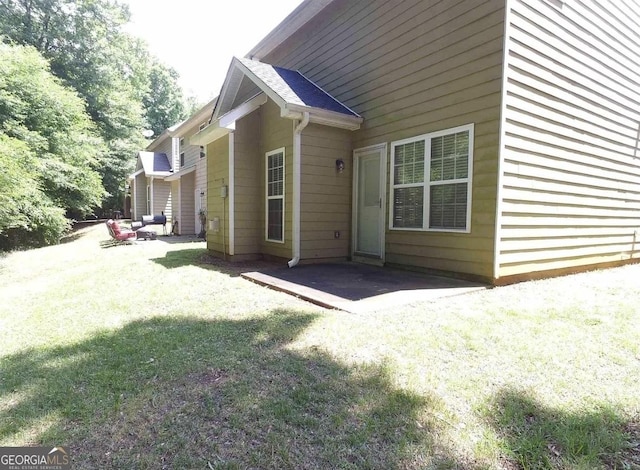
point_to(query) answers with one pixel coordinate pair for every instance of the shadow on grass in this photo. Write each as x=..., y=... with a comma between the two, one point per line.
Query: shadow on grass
x=202, y=259
x=72, y=237
x=180, y=239
x=111, y=243
x=537, y=437
x=182, y=393
x=180, y=258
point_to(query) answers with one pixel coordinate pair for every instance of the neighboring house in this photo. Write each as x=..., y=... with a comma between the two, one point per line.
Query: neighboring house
x=189, y=178
x=150, y=193
x=493, y=139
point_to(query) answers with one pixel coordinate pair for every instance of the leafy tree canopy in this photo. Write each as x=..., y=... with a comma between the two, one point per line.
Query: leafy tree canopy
x=164, y=103
x=50, y=119
x=124, y=89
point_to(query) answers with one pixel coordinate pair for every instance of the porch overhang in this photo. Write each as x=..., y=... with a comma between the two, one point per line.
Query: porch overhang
x=132, y=176
x=209, y=134
x=179, y=174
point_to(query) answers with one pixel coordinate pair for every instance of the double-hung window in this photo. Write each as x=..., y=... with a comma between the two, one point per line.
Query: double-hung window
x=431, y=181
x=275, y=196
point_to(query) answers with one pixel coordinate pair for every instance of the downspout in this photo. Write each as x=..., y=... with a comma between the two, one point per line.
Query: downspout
x=134, y=216
x=297, y=150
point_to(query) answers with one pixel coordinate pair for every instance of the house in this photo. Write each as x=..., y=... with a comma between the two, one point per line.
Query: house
x=171, y=176
x=150, y=193
x=189, y=178
x=496, y=139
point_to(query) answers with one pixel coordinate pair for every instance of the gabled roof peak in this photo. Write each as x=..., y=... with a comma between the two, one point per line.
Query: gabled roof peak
x=289, y=89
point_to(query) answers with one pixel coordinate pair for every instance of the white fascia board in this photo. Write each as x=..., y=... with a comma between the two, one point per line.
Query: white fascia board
x=156, y=142
x=323, y=116
x=158, y=174
x=133, y=175
x=203, y=114
x=289, y=26
x=181, y=173
x=241, y=111
x=209, y=134
x=230, y=87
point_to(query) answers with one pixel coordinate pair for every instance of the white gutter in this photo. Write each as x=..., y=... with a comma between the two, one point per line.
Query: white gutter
x=297, y=150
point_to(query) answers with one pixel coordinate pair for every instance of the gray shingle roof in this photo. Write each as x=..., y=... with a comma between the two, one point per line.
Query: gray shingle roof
x=155, y=163
x=295, y=88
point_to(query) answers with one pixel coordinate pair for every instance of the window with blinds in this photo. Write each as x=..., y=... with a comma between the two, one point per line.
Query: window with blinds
x=431, y=181
x=275, y=196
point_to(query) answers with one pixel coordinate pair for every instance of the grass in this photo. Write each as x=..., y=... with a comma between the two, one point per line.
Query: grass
x=152, y=356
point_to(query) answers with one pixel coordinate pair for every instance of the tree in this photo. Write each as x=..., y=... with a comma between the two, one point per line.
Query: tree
x=164, y=102
x=49, y=145
x=123, y=88
x=27, y=216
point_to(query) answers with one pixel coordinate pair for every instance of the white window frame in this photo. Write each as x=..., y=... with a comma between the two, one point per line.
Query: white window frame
x=281, y=196
x=182, y=154
x=426, y=184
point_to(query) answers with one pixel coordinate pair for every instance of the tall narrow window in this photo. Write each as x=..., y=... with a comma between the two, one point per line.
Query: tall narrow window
x=431, y=185
x=275, y=196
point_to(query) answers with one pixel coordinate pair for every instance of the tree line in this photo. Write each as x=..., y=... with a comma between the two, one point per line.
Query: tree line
x=76, y=92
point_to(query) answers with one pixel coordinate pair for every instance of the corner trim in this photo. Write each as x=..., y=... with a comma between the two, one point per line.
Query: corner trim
x=501, y=134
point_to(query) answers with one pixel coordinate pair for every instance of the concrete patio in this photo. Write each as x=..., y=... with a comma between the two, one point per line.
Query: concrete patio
x=359, y=288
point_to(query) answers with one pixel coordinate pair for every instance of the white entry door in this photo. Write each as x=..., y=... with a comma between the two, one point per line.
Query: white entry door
x=369, y=193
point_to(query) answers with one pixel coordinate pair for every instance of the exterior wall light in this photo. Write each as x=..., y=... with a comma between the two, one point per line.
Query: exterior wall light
x=339, y=165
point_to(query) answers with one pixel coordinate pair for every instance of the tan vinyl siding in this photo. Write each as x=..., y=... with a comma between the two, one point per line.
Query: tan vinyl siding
x=201, y=183
x=196, y=180
x=470, y=253
x=571, y=170
x=175, y=201
x=248, y=207
x=161, y=198
x=276, y=133
x=217, y=172
x=326, y=199
x=201, y=176
x=140, y=196
x=164, y=147
x=187, y=189
x=410, y=68
x=191, y=154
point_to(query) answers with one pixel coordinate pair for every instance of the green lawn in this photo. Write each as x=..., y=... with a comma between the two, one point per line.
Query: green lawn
x=154, y=356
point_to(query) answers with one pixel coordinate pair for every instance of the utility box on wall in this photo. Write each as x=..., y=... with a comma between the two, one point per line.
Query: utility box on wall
x=214, y=225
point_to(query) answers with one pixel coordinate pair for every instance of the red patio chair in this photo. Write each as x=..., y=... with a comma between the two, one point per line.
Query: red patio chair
x=118, y=233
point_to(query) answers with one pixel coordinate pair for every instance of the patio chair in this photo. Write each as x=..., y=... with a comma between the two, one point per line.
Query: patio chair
x=119, y=234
